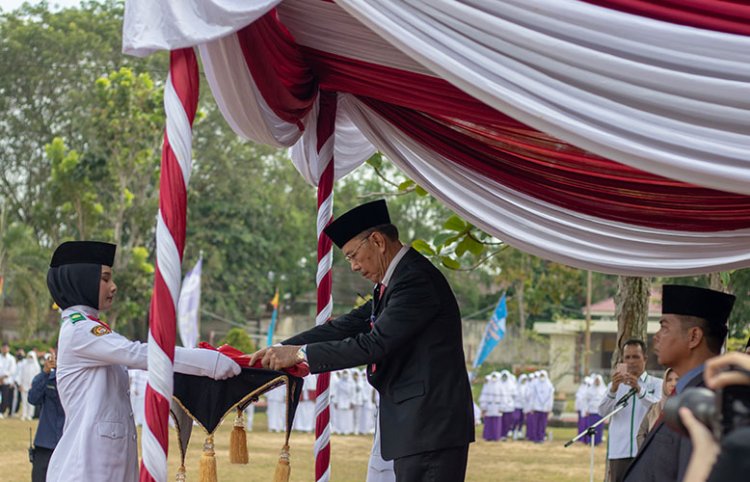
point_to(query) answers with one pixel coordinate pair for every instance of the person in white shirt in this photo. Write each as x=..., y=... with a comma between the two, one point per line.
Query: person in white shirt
x=542, y=399
x=8, y=366
x=99, y=440
x=304, y=419
x=344, y=402
x=518, y=402
x=27, y=369
x=643, y=390
x=506, y=393
x=367, y=415
x=528, y=411
x=489, y=402
x=581, y=408
x=276, y=409
x=595, y=393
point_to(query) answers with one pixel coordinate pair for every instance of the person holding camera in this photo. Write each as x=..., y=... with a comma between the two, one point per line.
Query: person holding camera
x=43, y=394
x=634, y=388
x=728, y=461
x=692, y=329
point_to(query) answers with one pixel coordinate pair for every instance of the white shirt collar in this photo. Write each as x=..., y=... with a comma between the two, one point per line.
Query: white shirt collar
x=394, y=262
x=81, y=308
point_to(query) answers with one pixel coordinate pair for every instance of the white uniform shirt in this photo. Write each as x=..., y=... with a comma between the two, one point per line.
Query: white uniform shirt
x=99, y=442
x=623, y=426
x=7, y=368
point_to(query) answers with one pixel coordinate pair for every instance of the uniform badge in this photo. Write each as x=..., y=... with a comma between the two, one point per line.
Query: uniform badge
x=76, y=317
x=99, y=330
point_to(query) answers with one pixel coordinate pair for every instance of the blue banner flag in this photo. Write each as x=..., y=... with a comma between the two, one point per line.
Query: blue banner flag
x=494, y=332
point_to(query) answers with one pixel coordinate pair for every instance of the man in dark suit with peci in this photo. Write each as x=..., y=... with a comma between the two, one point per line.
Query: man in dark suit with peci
x=692, y=330
x=409, y=336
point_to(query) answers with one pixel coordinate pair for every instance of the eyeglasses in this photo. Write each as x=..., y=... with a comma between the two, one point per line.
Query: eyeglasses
x=351, y=256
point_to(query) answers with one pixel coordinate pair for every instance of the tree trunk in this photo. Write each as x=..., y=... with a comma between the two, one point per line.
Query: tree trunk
x=631, y=310
x=715, y=282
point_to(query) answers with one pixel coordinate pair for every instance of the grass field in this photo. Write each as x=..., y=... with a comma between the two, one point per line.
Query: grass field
x=488, y=461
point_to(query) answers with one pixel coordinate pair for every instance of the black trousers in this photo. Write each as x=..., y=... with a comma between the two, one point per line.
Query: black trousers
x=618, y=467
x=446, y=465
x=6, y=392
x=40, y=464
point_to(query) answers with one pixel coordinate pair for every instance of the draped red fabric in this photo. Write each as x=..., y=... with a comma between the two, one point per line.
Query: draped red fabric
x=580, y=183
x=722, y=16
x=278, y=68
x=468, y=132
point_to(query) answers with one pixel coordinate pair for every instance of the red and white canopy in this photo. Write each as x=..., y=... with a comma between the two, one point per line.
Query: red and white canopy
x=608, y=135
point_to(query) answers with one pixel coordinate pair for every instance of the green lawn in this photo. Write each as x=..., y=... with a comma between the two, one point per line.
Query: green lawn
x=488, y=461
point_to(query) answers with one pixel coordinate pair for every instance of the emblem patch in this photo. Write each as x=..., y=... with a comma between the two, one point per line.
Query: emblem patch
x=99, y=330
x=76, y=317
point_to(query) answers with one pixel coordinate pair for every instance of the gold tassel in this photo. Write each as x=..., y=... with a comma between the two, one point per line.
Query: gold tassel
x=282, y=468
x=238, y=441
x=181, y=475
x=207, y=466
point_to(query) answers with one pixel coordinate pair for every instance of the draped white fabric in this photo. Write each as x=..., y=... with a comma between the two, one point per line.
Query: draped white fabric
x=153, y=25
x=546, y=230
x=238, y=97
x=664, y=98
x=667, y=99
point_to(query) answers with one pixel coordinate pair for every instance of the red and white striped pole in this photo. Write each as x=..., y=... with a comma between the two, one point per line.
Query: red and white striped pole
x=180, y=104
x=325, y=130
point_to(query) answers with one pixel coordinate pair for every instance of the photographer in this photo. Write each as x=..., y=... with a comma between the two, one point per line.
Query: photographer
x=729, y=461
x=43, y=393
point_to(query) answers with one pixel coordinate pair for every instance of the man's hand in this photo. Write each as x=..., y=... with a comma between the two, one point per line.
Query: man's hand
x=49, y=363
x=632, y=381
x=617, y=379
x=723, y=370
x=276, y=357
x=705, y=448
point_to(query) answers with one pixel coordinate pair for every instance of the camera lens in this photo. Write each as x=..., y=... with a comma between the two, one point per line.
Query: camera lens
x=700, y=401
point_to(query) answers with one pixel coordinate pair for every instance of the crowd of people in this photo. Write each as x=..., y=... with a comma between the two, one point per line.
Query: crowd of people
x=17, y=373
x=508, y=405
x=409, y=338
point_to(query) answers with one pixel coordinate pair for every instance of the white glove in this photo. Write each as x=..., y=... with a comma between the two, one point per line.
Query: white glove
x=206, y=363
x=225, y=368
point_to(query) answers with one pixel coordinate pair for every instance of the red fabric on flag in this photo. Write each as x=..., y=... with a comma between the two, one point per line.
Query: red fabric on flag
x=243, y=359
x=724, y=16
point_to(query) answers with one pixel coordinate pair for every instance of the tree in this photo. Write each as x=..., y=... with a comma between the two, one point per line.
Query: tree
x=238, y=338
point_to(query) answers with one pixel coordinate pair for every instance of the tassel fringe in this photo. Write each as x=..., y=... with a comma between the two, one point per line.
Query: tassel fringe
x=181, y=475
x=238, y=441
x=207, y=466
x=283, y=469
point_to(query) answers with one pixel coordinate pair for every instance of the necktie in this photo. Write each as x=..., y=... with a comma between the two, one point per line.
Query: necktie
x=379, y=290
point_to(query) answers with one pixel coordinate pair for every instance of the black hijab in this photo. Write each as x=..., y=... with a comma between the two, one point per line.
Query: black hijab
x=75, y=272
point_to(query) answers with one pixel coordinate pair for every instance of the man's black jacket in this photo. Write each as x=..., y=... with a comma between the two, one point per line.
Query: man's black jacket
x=416, y=346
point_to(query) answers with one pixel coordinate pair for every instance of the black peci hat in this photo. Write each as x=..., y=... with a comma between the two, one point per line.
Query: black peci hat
x=713, y=306
x=356, y=221
x=84, y=252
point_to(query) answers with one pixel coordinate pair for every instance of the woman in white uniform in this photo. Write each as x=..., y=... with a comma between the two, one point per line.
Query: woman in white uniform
x=99, y=441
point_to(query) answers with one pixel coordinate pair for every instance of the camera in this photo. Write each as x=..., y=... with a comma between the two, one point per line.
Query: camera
x=721, y=411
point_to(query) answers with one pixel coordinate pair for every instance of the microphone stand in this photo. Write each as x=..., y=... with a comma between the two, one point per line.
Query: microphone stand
x=591, y=429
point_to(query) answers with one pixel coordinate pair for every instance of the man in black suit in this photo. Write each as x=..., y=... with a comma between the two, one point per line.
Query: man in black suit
x=693, y=328
x=409, y=336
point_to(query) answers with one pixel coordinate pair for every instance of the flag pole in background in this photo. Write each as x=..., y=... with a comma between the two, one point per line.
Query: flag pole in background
x=493, y=334
x=274, y=315
x=188, y=306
